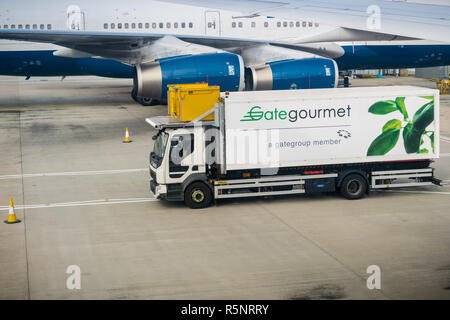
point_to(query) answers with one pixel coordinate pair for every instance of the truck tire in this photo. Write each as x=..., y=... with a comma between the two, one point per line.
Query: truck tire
x=198, y=196
x=353, y=187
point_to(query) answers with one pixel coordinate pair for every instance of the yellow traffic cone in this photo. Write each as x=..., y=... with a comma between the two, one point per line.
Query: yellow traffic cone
x=127, y=137
x=12, y=216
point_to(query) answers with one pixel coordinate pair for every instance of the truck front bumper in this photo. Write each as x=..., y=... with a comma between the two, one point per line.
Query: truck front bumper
x=159, y=191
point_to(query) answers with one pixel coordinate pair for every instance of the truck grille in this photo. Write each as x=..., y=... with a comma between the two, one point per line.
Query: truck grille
x=153, y=175
x=153, y=187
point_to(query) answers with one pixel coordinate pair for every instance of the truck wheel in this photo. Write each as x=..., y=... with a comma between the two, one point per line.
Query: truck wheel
x=353, y=187
x=197, y=196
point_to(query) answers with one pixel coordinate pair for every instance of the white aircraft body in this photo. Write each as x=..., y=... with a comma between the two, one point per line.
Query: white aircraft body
x=220, y=42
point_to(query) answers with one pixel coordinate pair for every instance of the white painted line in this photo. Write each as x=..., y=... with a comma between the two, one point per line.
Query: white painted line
x=78, y=173
x=81, y=203
x=445, y=139
x=410, y=191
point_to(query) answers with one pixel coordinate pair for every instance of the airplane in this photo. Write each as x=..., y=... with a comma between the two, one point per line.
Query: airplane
x=160, y=43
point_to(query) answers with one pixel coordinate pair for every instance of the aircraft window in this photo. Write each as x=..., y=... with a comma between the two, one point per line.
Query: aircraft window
x=240, y=24
x=119, y=26
x=183, y=25
x=191, y=25
x=133, y=26
x=291, y=24
x=20, y=26
x=154, y=25
x=266, y=24
x=140, y=25
x=297, y=24
x=5, y=26
x=279, y=24
x=304, y=24
x=105, y=26
x=161, y=25
x=49, y=27
x=233, y=24
x=316, y=24
x=13, y=26
x=147, y=25
x=175, y=25
x=126, y=25
x=168, y=25
x=42, y=27
x=253, y=24
x=113, y=25
x=310, y=24
x=209, y=25
x=285, y=24
x=27, y=26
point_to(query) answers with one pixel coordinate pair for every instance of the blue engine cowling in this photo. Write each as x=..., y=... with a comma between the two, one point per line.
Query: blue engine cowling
x=312, y=73
x=218, y=69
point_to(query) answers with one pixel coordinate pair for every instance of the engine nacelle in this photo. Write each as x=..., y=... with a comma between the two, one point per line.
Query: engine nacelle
x=313, y=73
x=218, y=69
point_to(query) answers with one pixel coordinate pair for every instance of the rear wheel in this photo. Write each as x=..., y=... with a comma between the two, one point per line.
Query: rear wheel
x=354, y=187
x=198, y=196
x=147, y=101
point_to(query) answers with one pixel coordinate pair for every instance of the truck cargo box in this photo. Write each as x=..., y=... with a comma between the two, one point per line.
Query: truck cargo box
x=274, y=129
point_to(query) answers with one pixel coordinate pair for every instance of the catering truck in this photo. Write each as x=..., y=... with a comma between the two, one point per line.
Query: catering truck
x=216, y=145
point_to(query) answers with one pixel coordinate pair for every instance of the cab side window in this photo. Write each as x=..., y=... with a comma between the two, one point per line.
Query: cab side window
x=181, y=146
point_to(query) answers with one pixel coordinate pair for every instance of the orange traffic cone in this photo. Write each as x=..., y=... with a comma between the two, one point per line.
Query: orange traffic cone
x=12, y=216
x=127, y=137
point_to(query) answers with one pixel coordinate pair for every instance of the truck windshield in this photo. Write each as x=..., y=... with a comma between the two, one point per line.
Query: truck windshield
x=159, y=149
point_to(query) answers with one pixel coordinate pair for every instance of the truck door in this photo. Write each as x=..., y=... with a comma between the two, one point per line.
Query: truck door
x=181, y=146
x=212, y=23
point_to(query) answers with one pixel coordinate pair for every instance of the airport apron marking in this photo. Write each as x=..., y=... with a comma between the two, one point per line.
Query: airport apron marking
x=62, y=174
x=410, y=191
x=81, y=203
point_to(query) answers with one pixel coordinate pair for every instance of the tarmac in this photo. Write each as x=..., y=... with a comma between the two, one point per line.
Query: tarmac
x=83, y=198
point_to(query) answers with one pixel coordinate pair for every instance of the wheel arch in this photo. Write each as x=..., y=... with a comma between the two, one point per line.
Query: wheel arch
x=201, y=177
x=342, y=175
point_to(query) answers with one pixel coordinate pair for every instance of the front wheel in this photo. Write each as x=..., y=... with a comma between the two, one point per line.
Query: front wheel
x=198, y=196
x=354, y=187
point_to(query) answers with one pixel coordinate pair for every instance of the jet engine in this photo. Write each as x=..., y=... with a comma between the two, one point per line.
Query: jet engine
x=218, y=69
x=311, y=73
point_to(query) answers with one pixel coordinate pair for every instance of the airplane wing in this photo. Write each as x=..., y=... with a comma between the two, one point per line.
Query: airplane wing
x=414, y=20
x=133, y=48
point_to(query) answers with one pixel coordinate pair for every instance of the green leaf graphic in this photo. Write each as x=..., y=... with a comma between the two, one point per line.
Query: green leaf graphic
x=428, y=97
x=400, y=102
x=424, y=151
x=384, y=143
x=432, y=141
x=411, y=138
x=424, y=116
x=392, y=124
x=383, y=107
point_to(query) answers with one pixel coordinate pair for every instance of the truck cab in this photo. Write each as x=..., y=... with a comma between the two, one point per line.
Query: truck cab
x=178, y=163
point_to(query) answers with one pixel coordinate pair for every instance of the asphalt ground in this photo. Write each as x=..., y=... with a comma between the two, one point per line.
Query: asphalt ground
x=84, y=200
